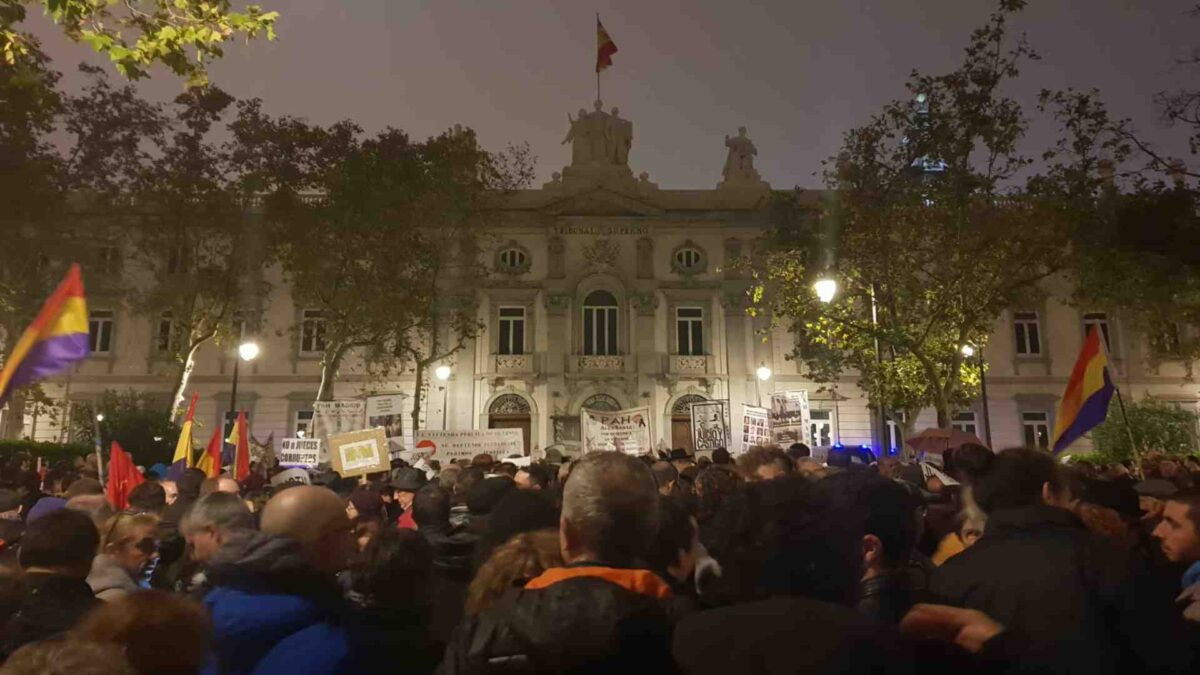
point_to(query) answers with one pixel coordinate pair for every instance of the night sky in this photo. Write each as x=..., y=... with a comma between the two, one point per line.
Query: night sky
x=797, y=74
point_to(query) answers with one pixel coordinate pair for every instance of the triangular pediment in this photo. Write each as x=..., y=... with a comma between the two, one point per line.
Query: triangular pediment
x=600, y=201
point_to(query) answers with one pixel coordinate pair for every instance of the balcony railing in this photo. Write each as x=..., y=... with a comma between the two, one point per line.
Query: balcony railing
x=514, y=363
x=608, y=363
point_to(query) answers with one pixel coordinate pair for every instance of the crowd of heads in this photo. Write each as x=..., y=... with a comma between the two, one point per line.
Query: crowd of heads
x=425, y=548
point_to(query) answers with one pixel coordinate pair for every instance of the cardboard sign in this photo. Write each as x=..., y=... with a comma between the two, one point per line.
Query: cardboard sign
x=625, y=431
x=301, y=452
x=336, y=417
x=710, y=425
x=359, y=452
x=448, y=446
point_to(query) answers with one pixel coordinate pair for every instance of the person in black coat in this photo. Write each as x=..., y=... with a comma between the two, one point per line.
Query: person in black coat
x=791, y=563
x=1042, y=575
x=453, y=552
x=56, y=555
x=603, y=612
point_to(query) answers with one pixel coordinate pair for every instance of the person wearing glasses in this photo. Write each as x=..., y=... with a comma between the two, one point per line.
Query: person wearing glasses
x=129, y=544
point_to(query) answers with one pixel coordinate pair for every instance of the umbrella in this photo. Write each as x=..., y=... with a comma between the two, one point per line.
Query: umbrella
x=938, y=441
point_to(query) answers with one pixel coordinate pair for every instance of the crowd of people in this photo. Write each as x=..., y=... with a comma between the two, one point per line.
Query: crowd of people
x=768, y=562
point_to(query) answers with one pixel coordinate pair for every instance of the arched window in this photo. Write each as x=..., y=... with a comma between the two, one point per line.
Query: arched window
x=602, y=402
x=689, y=259
x=683, y=405
x=512, y=258
x=509, y=404
x=600, y=324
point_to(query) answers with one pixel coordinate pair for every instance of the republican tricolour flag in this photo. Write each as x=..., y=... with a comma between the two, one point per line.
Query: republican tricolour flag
x=605, y=47
x=57, y=338
x=1085, y=402
x=210, y=461
x=183, y=447
x=239, y=438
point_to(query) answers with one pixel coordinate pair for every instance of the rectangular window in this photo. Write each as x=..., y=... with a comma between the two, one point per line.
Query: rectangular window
x=109, y=259
x=600, y=331
x=312, y=331
x=1099, y=321
x=965, y=422
x=163, y=336
x=512, y=330
x=100, y=331
x=1028, y=333
x=1036, y=427
x=689, y=330
x=820, y=428
x=302, y=424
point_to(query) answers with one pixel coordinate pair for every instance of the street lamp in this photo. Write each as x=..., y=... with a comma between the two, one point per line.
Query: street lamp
x=442, y=373
x=826, y=289
x=247, y=351
x=969, y=351
x=763, y=372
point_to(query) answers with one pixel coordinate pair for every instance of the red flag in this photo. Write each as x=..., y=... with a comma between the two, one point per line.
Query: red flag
x=123, y=476
x=210, y=461
x=605, y=47
x=241, y=460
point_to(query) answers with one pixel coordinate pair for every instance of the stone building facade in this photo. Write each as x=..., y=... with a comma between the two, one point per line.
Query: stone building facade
x=607, y=291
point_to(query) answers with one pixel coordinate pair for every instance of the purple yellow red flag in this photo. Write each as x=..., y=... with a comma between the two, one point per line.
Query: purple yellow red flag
x=605, y=47
x=1085, y=402
x=239, y=438
x=57, y=338
x=183, y=447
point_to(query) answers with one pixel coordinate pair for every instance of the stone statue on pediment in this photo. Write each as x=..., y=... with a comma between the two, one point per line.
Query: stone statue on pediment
x=599, y=138
x=739, y=164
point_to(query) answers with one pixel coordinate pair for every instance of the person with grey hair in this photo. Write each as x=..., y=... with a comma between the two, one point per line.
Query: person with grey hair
x=210, y=521
x=604, y=611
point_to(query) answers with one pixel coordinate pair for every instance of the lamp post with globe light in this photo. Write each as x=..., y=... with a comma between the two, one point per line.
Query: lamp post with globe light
x=247, y=351
x=969, y=351
x=442, y=373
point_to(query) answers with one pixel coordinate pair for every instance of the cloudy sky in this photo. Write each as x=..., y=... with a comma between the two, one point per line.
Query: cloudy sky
x=797, y=73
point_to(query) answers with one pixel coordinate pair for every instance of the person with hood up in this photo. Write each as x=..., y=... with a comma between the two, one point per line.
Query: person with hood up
x=127, y=546
x=275, y=602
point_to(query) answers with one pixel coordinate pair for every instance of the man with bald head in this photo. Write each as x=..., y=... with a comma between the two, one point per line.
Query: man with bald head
x=275, y=601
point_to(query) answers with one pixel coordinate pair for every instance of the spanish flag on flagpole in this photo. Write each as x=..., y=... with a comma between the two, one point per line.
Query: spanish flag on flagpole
x=57, y=338
x=605, y=47
x=183, y=447
x=1085, y=402
x=210, y=460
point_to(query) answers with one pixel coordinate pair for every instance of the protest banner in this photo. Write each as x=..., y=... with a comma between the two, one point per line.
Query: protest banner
x=447, y=446
x=300, y=452
x=625, y=431
x=756, y=428
x=336, y=417
x=710, y=425
x=359, y=452
x=297, y=475
x=387, y=411
x=789, y=417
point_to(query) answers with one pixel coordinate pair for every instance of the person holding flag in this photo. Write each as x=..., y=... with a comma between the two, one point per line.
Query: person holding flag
x=57, y=338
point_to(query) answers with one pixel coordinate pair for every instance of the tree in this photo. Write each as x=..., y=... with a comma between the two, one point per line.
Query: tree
x=932, y=231
x=137, y=34
x=1157, y=426
x=133, y=419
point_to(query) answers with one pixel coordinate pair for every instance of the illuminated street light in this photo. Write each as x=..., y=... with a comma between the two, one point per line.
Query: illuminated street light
x=442, y=372
x=826, y=289
x=99, y=417
x=248, y=350
x=968, y=351
x=763, y=372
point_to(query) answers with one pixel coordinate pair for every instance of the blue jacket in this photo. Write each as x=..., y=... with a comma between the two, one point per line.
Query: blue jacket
x=272, y=613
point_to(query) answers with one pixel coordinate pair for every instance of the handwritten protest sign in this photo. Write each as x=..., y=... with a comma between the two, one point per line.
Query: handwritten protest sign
x=625, y=431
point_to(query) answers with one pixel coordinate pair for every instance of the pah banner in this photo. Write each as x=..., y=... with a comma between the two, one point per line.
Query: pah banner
x=388, y=412
x=710, y=425
x=336, y=417
x=756, y=427
x=626, y=431
x=789, y=417
x=448, y=446
x=300, y=452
